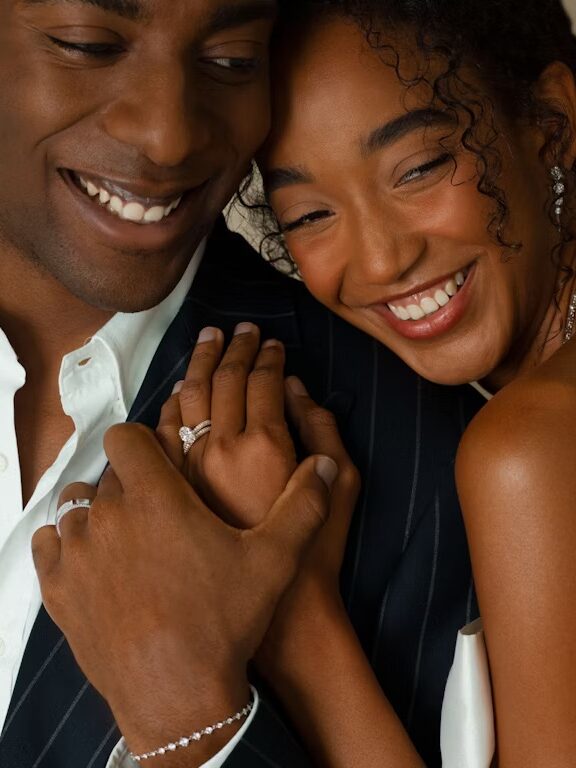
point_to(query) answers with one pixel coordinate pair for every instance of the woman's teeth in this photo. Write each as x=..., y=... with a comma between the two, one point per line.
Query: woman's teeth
x=128, y=210
x=430, y=301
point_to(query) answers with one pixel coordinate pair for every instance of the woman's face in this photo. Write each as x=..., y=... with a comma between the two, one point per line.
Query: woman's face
x=379, y=205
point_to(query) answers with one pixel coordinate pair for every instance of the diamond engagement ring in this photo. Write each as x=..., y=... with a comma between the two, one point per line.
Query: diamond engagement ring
x=189, y=435
x=68, y=506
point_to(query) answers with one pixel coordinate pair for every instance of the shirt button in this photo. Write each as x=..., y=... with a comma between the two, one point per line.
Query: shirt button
x=2, y=646
x=3, y=463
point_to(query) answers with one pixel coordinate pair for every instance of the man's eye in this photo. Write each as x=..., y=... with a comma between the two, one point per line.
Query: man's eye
x=424, y=170
x=232, y=69
x=98, y=50
x=308, y=218
x=236, y=64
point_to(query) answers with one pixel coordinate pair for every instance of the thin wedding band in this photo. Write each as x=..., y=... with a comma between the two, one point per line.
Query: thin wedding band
x=189, y=435
x=68, y=506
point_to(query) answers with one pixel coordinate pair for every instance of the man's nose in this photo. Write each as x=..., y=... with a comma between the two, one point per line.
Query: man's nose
x=162, y=115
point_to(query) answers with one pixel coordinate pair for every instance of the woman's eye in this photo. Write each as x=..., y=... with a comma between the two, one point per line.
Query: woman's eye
x=308, y=218
x=424, y=170
x=98, y=50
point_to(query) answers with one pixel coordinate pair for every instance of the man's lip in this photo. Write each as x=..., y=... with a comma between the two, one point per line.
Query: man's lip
x=442, y=280
x=128, y=236
x=153, y=194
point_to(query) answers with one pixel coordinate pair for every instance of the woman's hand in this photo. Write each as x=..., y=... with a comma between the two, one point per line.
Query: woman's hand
x=314, y=598
x=242, y=466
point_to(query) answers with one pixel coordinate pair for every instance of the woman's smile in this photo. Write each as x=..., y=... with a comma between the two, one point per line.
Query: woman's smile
x=430, y=311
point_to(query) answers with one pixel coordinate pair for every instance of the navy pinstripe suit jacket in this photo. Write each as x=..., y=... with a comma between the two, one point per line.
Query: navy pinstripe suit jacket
x=406, y=579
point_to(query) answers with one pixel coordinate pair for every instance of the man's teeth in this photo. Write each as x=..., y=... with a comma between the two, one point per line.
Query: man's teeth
x=129, y=210
x=429, y=304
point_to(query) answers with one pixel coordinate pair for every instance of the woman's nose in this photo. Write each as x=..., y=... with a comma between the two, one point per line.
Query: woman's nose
x=383, y=256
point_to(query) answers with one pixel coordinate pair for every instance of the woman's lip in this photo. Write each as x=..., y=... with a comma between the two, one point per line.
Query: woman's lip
x=128, y=236
x=433, y=325
x=439, y=283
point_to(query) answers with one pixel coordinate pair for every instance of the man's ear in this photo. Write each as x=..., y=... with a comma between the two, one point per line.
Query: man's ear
x=556, y=89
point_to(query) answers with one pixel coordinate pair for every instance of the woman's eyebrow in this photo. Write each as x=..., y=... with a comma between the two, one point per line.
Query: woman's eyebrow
x=400, y=126
x=276, y=178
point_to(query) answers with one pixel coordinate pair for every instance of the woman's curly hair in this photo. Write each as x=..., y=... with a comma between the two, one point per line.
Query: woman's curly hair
x=508, y=43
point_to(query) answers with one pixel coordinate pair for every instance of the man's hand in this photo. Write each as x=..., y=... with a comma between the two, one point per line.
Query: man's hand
x=163, y=603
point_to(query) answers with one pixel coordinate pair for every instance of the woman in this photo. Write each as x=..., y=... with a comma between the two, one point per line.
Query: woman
x=420, y=169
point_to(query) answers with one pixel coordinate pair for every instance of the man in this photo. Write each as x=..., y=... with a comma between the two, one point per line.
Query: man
x=126, y=125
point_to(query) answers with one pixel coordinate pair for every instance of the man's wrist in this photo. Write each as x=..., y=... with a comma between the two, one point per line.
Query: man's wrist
x=166, y=718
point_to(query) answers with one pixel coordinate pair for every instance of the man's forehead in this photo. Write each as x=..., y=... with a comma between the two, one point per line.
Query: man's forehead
x=220, y=14
x=132, y=9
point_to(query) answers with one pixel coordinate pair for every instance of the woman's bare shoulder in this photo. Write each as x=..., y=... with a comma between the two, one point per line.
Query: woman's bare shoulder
x=527, y=426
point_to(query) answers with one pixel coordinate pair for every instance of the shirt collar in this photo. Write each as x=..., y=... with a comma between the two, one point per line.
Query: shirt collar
x=133, y=338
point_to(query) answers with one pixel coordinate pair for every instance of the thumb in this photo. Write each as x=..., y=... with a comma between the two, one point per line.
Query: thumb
x=303, y=507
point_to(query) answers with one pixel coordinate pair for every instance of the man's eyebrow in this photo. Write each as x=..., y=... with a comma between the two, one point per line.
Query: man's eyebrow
x=276, y=178
x=399, y=127
x=129, y=9
x=236, y=14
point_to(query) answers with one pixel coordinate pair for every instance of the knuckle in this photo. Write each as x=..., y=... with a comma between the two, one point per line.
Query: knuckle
x=122, y=432
x=229, y=373
x=194, y=391
x=350, y=478
x=262, y=375
x=320, y=418
x=313, y=504
x=203, y=354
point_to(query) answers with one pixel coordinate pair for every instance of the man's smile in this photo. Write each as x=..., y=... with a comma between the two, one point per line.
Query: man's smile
x=145, y=206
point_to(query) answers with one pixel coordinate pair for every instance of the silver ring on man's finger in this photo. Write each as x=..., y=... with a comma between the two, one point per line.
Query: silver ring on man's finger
x=189, y=435
x=68, y=506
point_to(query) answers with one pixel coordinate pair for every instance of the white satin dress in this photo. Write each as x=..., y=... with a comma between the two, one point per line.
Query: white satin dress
x=467, y=735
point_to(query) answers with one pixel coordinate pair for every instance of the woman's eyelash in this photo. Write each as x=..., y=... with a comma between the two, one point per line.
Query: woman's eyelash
x=308, y=218
x=422, y=170
x=88, y=49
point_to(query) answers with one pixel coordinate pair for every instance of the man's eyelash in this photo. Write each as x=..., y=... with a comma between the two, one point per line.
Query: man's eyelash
x=235, y=64
x=422, y=170
x=308, y=218
x=88, y=49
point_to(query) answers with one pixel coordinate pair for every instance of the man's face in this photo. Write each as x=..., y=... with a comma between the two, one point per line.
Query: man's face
x=113, y=112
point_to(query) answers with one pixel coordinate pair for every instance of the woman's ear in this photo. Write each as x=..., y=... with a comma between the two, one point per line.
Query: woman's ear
x=556, y=89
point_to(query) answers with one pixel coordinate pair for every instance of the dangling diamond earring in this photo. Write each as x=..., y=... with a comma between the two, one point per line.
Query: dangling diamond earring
x=558, y=188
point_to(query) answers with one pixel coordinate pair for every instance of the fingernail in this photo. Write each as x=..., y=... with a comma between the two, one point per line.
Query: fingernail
x=244, y=328
x=297, y=387
x=326, y=469
x=269, y=343
x=177, y=387
x=207, y=334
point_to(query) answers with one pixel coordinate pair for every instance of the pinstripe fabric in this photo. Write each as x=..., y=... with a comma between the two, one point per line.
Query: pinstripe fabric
x=406, y=579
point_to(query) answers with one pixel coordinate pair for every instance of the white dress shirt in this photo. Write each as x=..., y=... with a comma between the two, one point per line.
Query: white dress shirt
x=98, y=384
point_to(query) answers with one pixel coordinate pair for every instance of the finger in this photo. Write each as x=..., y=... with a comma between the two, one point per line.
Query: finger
x=169, y=426
x=300, y=511
x=137, y=457
x=46, y=548
x=71, y=521
x=109, y=485
x=316, y=426
x=195, y=397
x=265, y=396
x=230, y=381
x=77, y=491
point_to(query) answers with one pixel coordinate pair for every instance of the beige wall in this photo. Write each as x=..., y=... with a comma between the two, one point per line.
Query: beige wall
x=571, y=5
